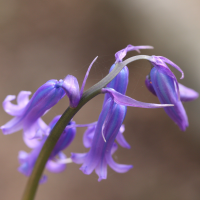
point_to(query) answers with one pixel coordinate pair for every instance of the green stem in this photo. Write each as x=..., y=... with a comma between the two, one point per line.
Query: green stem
x=56, y=132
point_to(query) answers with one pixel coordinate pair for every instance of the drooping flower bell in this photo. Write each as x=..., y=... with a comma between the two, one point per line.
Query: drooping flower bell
x=163, y=83
x=27, y=113
x=57, y=160
x=100, y=153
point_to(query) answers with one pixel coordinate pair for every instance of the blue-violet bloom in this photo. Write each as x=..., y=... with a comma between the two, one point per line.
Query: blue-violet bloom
x=163, y=83
x=27, y=113
x=109, y=125
x=100, y=153
x=57, y=160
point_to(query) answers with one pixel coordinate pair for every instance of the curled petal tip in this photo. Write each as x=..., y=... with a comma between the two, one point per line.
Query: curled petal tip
x=122, y=53
x=166, y=60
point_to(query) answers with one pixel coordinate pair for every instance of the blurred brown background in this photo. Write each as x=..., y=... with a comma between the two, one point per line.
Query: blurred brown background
x=41, y=40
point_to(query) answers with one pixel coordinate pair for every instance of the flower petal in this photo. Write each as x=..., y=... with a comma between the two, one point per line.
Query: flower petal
x=122, y=53
x=30, y=142
x=166, y=60
x=120, y=168
x=12, y=126
x=101, y=170
x=149, y=85
x=36, y=131
x=120, y=138
x=114, y=148
x=71, y=87
x=187, y=94
x=22, y=156
x=23, y=98
x=127, y=101
x=56, y=166
x=88, y=136
x=78, y=158
x=86, y=76
x=12, y=109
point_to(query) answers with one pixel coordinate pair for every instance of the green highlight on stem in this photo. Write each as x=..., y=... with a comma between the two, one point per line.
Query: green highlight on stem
x=56, y=132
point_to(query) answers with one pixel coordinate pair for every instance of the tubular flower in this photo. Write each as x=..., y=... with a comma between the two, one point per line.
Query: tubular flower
x=57, y=160
x=163, y=83
x=27, y=113
x=109, y=125
x=100, y=153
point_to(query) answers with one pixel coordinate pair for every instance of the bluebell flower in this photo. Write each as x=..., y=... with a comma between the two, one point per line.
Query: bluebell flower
x=163, y=83
x=57, y=160
x=100, y=153
x=27, y=113
x=101, y=137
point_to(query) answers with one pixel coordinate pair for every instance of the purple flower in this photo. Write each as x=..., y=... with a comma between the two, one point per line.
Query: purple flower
x=101, y=136
x=57, y=160
x=27, y=113
x=163, y=83
x=100, y=153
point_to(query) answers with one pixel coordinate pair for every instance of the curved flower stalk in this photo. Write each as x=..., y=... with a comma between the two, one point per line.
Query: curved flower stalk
x=163, y=83
x=27, y=113
x=57, y=160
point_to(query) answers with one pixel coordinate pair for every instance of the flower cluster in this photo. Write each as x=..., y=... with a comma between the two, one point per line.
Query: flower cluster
x=101, y=136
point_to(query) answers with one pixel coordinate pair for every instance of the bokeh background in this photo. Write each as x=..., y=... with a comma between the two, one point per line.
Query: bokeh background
x=42, y=40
